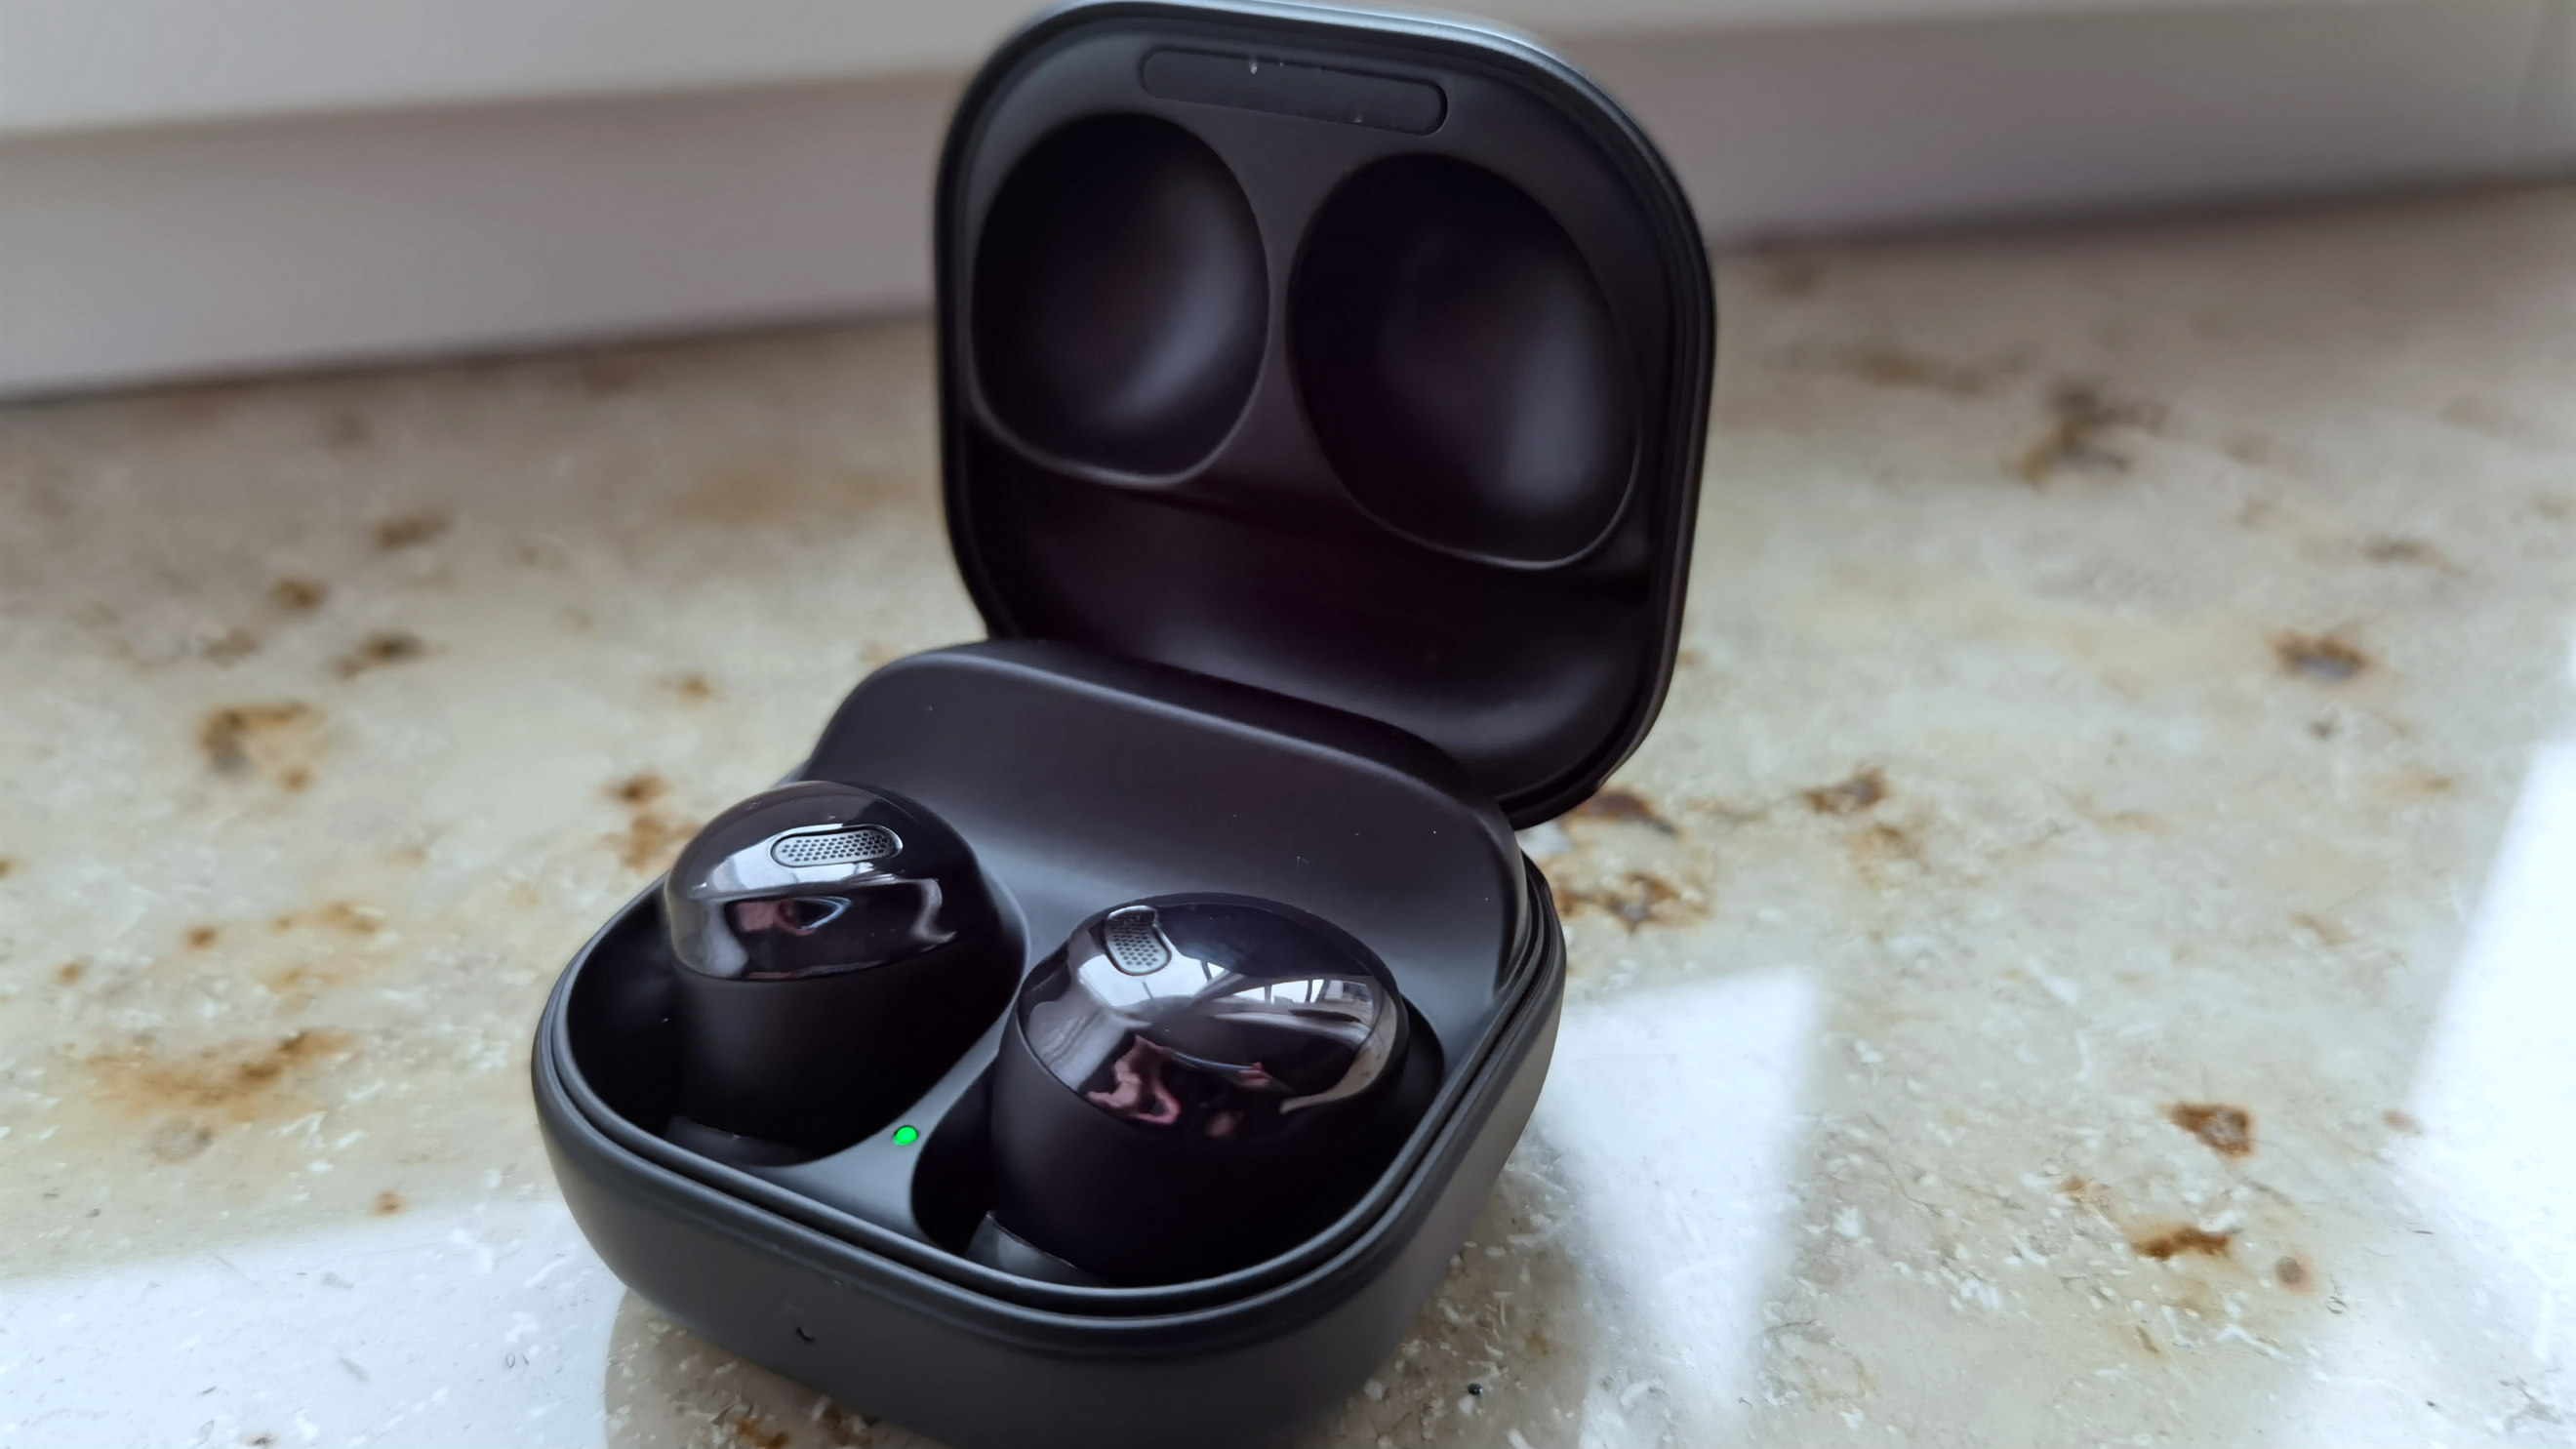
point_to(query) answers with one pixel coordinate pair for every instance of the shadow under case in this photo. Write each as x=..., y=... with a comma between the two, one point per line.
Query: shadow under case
x=1322, y=396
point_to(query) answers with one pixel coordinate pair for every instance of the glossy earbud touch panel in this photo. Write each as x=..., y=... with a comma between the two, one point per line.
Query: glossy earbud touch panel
x=1196, y=1082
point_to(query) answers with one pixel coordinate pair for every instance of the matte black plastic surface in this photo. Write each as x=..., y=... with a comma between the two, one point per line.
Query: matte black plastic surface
x=1125, y=272
x=1361, y=359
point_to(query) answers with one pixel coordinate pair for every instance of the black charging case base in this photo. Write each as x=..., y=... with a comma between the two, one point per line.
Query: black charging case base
x=1322, y=397
x=1078, y=778
x=899, y=1345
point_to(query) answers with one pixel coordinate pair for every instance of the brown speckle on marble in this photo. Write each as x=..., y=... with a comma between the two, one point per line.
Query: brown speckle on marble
x=692, y=687
x=387, y=1204
x=244, y=1080
x=2135, y=822
x=2183, y=1239
x=1864, y=789
x=346, y=917
x=200, y=937
x=230, y=647
x=298, y=595
x=1882, y=845
x=2400, y=1122
x=2292, y=1272
x=748, y=1428
x=2320, y=658
x=239, y=739
x=349, y=919
x=380, y=649
x=70, y=972
x=2326, y=930
x=2413, y=783
x=1895, y=367
x=300, y=984
x=8, y=866
x=410, y=530
x=651, y=836
x=2388, y=549
x=2225, y=1130
x=2082, y=422
x=1621, y=805
x=1637, y=899
x=840, y=1426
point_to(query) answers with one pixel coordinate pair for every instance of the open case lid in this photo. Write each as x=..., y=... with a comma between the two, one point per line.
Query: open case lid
x=1357, y=357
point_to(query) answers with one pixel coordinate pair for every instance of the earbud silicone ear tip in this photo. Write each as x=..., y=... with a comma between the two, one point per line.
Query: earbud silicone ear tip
x=1194, y=1083
x=837, y=950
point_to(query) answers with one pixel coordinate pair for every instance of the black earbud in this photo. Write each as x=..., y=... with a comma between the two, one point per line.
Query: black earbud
x=838, y=950
x=1192, y=1084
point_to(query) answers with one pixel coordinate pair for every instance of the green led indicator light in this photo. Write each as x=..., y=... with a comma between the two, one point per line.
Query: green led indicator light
x=906, y=1136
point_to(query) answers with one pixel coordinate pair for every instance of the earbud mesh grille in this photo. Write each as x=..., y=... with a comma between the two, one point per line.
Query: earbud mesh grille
x=1135, y=947
x=839, y=847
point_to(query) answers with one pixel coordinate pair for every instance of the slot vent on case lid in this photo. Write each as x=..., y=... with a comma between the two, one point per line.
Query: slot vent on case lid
x=1284, y=88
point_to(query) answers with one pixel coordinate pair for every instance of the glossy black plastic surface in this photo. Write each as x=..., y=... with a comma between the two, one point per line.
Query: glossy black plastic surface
x=1363, y=360
x=1218, y=1019
x=1195, y=1083
x=820, y=878
x=836, y=949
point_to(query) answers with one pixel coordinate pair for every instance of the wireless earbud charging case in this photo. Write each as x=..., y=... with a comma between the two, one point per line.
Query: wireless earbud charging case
x=1322, y=398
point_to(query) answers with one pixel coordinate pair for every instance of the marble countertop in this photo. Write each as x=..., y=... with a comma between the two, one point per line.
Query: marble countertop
x=2088, y=954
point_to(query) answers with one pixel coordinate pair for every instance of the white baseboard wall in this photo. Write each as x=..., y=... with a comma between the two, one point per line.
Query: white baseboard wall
x=147, y=252
x=258, y=245
x=1826, y=130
